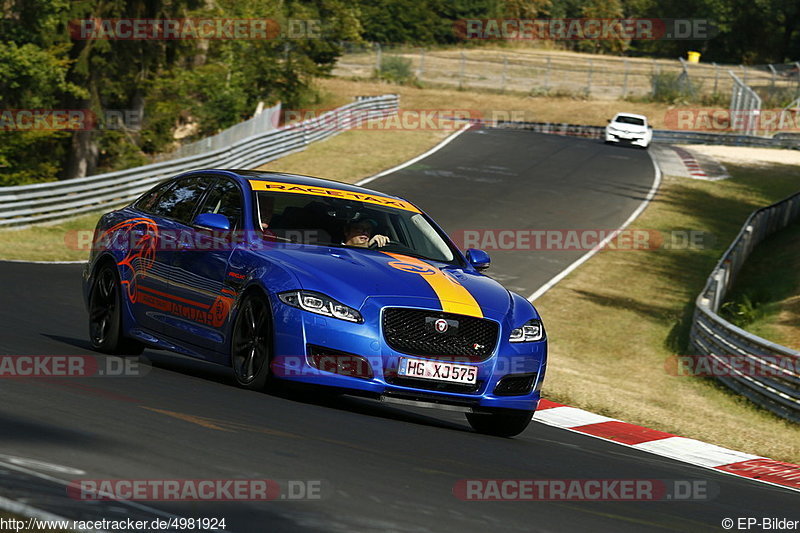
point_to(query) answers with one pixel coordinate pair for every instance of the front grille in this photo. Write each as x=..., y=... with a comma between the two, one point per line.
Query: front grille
x=515, y=385
x=410, y=331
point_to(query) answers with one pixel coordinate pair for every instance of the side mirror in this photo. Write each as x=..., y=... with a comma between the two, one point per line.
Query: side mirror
x=478, y=259
x=212, y=221
x=608, y=120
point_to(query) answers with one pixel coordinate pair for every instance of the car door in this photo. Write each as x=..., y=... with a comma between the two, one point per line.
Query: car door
x=200, y=273
x=155, y=241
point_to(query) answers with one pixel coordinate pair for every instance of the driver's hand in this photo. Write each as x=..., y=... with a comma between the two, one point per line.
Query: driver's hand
x=379, y=241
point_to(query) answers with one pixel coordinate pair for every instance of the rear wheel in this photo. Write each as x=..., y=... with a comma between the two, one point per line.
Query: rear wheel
x=105, y=315
x=251, y=342
x=500, y=424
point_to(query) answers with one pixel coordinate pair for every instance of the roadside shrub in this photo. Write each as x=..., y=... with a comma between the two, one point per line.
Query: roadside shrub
x=673, y=88
x=742, y=311
x=396, y=69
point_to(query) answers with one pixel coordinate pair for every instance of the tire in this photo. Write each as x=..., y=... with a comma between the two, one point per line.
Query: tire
x=251, y=342
x=105, y=315
x=500, y=424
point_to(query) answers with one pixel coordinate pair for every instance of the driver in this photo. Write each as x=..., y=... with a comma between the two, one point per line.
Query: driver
x=361, y=233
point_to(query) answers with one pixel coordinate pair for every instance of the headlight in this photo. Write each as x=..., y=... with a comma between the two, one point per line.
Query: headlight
x=320, y=304
x=531, y=331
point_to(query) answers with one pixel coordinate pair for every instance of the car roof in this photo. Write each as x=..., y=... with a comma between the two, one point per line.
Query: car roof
x=298, y=179
x=633, y=115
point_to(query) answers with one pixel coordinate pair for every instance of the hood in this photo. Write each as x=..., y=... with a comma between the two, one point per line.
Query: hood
x=352, y=276
x=630, y=128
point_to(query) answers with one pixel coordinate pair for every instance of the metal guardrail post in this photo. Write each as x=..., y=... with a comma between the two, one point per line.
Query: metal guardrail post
x=589, y=79
x=547, y=76
x=625, y=79
x=774, y=74
x=716, y=77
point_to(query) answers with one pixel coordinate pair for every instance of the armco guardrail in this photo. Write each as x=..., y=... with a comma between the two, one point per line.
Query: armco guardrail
x=758, y=369
x=764, y=372
x=41, y=202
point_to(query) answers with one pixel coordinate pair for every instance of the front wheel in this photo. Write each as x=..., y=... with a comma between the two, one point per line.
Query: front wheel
x=251, y=343
x=105, y=316
x=500, y=424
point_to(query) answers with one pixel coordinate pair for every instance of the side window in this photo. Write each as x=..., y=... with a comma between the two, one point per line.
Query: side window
x=181, y=199
x=225, y=199
x=148, y=199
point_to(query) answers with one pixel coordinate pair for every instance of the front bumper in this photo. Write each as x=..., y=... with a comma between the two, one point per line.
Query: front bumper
x=297, y=330
x=636, y=139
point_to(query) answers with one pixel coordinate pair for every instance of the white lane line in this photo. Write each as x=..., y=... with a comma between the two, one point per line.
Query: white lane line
x=42, y=465
x=588, y=255
x=58, y=481
x=28, y=511
x=401, y=166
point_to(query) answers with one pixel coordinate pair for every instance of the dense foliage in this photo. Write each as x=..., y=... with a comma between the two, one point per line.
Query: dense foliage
x=197, y=87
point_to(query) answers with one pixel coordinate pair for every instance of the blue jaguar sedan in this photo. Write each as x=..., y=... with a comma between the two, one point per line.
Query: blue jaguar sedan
x=290, y=277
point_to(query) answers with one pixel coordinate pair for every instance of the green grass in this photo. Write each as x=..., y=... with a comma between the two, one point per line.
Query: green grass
x=67, y=241
x=615, y=322
x=765, y=298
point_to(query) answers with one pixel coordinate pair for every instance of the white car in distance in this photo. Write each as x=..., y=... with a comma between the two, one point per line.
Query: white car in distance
x=629, y=128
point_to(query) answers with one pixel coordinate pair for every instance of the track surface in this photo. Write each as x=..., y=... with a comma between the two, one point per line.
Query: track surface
x=385, y=468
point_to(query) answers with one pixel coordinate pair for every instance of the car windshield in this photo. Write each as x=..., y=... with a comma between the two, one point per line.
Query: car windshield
x=624, y=119
x=321, y=220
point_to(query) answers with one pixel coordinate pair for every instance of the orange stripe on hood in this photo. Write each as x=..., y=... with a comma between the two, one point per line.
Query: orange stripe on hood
x=453, y=296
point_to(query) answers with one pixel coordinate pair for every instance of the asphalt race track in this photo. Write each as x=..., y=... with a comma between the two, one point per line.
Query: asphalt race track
x=382, y=468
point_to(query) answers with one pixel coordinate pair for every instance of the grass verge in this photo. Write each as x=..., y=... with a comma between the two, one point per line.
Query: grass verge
x=339, y=91
x=616, y=321
x=765, y=299
x=52, y=242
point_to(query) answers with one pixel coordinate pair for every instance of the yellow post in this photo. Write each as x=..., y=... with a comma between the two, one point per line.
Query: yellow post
x=693, y=57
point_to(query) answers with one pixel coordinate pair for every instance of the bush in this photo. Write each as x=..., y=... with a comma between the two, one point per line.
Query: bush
x=742, y=311
x=396, y=69
x=673, y=88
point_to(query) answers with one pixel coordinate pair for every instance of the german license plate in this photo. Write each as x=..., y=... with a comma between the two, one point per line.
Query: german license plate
x=437, y=371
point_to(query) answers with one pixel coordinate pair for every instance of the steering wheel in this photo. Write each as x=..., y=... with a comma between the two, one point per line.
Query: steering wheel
x=374, y=245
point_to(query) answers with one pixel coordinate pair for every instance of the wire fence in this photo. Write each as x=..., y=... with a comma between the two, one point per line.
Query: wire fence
x=745, y=107
x=546, y=72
